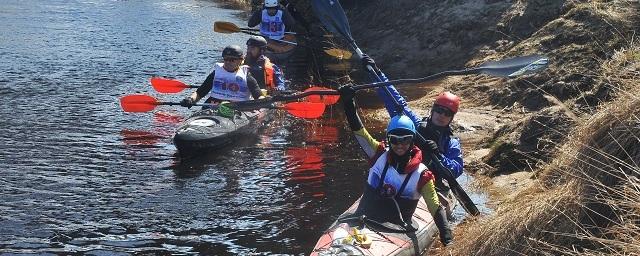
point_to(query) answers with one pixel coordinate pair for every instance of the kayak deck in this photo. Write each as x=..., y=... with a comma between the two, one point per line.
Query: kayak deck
x=206, y=130
x=387, y=238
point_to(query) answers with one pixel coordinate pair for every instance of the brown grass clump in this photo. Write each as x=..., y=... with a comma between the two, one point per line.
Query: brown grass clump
x=586, y=200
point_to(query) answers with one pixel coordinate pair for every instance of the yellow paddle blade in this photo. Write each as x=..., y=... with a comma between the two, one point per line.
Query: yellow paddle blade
x=339, y=53
x=225, y=27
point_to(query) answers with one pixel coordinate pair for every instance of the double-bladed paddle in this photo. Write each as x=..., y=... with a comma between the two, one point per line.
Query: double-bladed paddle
x=229, y=27
x=145, y=103
x=165, y=85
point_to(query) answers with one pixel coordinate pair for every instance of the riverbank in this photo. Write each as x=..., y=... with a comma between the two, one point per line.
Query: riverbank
x=552, y=149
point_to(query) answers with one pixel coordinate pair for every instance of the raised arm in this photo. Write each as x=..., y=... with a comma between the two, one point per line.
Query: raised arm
x=366, y=141
x=393, y=101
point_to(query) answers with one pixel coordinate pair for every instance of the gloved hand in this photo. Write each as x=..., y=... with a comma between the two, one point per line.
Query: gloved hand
x=429, y=132
x=187, y=102
x=347, y=92
x=431, y=147
x=368, y=61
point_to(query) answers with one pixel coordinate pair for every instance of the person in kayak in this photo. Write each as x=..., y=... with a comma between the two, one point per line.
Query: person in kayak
x=273, y=19
x=229, y=81
x=435, y=133
x=396, y=172
x=268, y=75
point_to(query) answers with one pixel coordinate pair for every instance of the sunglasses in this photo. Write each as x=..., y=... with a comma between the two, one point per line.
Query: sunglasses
x=400, y=139
x=442, y=110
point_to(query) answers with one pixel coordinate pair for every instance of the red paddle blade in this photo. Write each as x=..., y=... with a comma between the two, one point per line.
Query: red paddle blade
x=138, y=103
x=305, y=109
x=324, y=99
x=165, y=85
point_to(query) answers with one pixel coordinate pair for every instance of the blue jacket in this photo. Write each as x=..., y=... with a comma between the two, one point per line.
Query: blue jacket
x=450, y=149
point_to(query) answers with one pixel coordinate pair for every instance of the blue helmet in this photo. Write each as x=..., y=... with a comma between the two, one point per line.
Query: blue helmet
x=401, y=124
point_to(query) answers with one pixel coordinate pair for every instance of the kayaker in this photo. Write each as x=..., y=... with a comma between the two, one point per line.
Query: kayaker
x=268, y=75
x=435, y=129
x=229, y=81
x=396, y=172
x=273, y=19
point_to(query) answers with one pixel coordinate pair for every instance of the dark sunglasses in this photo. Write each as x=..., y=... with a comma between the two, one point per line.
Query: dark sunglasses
x=400, y=139
x=442, y=110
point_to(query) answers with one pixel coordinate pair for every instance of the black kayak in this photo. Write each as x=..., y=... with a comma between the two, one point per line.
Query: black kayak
x=206, y=130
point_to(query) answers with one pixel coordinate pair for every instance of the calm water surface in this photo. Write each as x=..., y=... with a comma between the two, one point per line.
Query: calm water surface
x=79, y=176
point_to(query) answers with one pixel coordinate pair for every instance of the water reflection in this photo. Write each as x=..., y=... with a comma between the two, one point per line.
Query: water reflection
x=78, y=176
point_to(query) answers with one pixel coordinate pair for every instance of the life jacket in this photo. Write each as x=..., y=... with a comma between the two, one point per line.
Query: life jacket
x=231, y=86
x=268, y=74
x=272, y=26
x=385, y=179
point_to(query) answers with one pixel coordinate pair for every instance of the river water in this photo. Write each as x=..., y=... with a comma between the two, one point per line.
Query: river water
x=80, y=176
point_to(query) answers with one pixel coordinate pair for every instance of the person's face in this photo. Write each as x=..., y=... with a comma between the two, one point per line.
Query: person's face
x=232, y=63
x=253, y=51
x=400, y=144
x=271, y=11
x=441, y=116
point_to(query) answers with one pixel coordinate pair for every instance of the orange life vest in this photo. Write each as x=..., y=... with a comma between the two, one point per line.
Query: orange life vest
x=268, y=74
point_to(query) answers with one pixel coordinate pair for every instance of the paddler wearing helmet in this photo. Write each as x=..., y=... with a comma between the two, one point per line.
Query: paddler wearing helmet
x=268, y=74
x=229, y=81
x=434, y=129
x=273, y=19
x=397, y=171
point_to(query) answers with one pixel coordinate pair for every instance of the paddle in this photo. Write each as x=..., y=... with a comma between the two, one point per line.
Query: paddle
x=165, y=85
x=144, y=103
x=228, y=28
x=333, y=18
x=508, y=68
x=502, y=68
x=456, y=189
x=325, y=99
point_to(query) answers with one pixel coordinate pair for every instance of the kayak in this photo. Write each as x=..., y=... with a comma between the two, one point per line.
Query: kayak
x=374, y=238
x=206, y=130
x=385, y=238
x=279, y=52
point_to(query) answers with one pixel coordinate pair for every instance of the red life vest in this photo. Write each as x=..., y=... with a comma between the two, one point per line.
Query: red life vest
x=268, y=74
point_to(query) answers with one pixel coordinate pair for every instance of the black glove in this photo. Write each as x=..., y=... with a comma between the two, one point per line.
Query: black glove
x=187, y=102
x=368, y=61
x=430, y=147
x=429, y=132
x=347, y=92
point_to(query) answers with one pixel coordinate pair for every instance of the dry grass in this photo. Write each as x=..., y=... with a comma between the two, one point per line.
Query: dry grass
x=586, y=200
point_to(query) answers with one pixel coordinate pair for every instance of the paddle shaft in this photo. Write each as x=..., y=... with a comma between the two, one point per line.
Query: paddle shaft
x=278, y=40
x=455, y=187
x=297, y=96
x=257, y=30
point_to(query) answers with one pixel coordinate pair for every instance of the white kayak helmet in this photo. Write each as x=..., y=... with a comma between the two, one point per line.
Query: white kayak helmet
x=270, y=3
